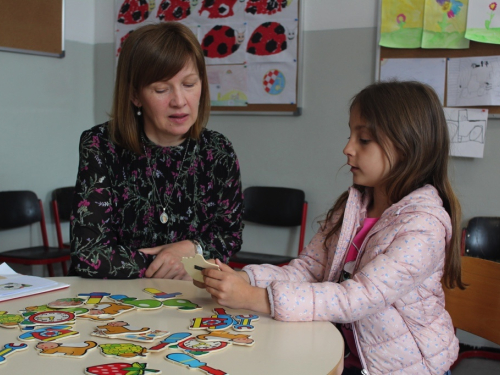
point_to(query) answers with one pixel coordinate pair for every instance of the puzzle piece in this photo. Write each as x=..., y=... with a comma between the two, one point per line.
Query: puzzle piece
x=110, y=309
x=10, y=320
x=195, y=347
x=121, y=328
x=53, y=333
x=181, y=304
x=120, y=368
x=10, y=348
x=74, y=349
x=243, y=322
x=123, y=350
x=191, y=362
x=220, y=321
x=93, y=298
x=62, y=303
x=172, y=339
x=194, y=266
x=158, y=294
x=75, y=310
x=141, y=304
x=47, y=318
x=147, y=337
x=236, y=339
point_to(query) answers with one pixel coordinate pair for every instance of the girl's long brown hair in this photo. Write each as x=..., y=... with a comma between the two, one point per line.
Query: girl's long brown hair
x=410, y=116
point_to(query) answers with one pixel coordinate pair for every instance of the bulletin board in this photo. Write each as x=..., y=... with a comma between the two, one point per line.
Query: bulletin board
x=475, y=49
x=33, y=27
x=258, y=72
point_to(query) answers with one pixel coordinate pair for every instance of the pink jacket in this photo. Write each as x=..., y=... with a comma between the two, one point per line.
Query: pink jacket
x=395, y=297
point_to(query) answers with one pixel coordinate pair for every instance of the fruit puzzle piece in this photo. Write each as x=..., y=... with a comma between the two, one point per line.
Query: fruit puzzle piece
x=172, y=339
x=181, y=304
x=47, y=318
x=218, y=322
x=195, y=347
x=141, y=304
x=243, y=322
x=74, y=349
x=117, y=328
x=10, y=348
x=120, y=368
x=232, y=338
x=158, y=294
x=10, y=320
x=53, y=333
x=120, y=350
x=191, y=362
x=93, y=298
x=62, y=303
x=194, y=266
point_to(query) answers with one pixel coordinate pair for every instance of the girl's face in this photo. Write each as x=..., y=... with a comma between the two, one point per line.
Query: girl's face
x=369, y=164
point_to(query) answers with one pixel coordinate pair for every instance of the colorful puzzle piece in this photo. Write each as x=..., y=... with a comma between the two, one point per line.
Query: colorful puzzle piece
x=10, y=348
x=172, y=339
x=243, y=322
x=236, y=339
x=191, y=362
x=181, y=304
x=140, y=337
x=195, y=347
x=74, y=349
x=120, y=328
x=123, y=350
x=10, y=320
x=220, y=321
x=53, y=333
x=108, y=309
x=75, y=310
x=194, y=266
x=47, y=318
x=120, y=368
x=141, y=304
x=62, y=303
x=158, y=294
x=93, y=298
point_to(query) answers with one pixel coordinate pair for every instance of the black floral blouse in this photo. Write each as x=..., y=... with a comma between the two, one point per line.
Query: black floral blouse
x=116, y=210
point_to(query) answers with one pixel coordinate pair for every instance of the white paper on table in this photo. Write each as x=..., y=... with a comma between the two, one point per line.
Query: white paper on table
x=473, y=81
x=431, y=71
x=467, y=127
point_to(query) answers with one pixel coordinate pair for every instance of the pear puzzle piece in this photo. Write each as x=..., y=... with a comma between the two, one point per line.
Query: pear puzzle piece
x=123, y=350
x=120, y=368
x=52, y=333
x=172, y=339
x=74, y=349
x=10, y=348
x=191, y=362
x=158, y=294
x=220, y=321
x=181, y=304
x=194, y=266
x=10, y=320
x=232, y=338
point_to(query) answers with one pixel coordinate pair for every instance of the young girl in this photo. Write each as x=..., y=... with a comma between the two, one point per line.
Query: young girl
x=377, y=262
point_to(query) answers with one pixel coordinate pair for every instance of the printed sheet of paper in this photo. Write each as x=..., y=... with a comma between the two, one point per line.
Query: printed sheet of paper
x=467, y=129
x=473, y=81
x=429, y=71
x=483, y=21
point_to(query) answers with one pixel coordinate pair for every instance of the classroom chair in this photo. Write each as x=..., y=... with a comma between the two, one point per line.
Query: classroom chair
x=22, y=209
x=273, y=206
x=62, y=202
x=481, y=238
x=477, y=308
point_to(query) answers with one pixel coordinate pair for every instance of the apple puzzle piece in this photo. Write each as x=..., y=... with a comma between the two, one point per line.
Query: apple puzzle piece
x=194, y=266
x=121, y=368
x=74, y=349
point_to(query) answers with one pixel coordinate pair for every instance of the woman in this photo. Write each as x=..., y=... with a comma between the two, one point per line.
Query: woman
x=153, y=184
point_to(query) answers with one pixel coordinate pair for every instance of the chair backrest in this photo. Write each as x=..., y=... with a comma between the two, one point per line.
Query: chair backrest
x=19, y=208
x=477, y=308
x=482, y=238
x=273, y=205
x=64, y=202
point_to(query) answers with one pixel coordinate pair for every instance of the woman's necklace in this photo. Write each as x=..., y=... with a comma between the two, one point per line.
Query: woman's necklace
x=164, y=216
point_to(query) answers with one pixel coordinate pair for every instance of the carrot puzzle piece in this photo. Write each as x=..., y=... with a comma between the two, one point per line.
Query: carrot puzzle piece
x=191, y=362
x=9, y=349
x=120, y=368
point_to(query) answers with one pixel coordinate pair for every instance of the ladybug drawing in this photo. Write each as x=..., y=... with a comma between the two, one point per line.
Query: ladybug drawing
x=266, y=6
x=269, y=38
x=218, y=8
x=135, y=11
x=221, y=41
x=173, y=10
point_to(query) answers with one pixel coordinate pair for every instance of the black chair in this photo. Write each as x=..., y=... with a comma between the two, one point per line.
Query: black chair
x=274, y=206
x=23, y=208
x=481, y=238
x=62, y=202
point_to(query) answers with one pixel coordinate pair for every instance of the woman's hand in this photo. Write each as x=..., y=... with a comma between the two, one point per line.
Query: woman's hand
x=232, y=289
x=167, y=263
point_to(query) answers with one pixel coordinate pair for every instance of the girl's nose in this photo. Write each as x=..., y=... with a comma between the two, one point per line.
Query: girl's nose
x=348, y=150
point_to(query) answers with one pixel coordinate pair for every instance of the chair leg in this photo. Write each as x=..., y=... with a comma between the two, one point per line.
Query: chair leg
x=65, y=268
x=51, y=270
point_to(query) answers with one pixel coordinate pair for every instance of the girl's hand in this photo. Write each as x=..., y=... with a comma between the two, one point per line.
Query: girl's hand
x=232, y=289
x=167, y=263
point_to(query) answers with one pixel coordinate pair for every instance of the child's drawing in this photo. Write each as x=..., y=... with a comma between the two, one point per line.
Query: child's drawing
x=402, y=23
x=467, y=131
x=444, y=24
x=483, y=22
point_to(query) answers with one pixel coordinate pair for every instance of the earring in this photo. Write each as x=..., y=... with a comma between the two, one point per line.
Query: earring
x=139, y=112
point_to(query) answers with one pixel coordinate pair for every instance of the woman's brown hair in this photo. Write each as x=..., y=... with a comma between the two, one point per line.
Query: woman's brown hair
x=410, y=116
x=150, y=54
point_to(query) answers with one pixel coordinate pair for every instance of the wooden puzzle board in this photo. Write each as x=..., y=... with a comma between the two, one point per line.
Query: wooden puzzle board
x=280, y=348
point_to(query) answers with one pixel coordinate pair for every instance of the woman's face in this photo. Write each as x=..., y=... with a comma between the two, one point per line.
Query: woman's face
x=170, y=107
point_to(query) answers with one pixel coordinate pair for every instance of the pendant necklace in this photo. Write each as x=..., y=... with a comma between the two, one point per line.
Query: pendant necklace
x=164, y=216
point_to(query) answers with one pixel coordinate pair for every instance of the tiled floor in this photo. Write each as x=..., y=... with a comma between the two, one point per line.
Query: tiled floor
x=477, y=366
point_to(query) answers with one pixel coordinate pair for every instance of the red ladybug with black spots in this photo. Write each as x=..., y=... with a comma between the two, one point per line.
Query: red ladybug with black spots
x=218, y=8
x=173, y=10
x=135, y=11
x=221, y=41
x=267, y=39
x=266, y=6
